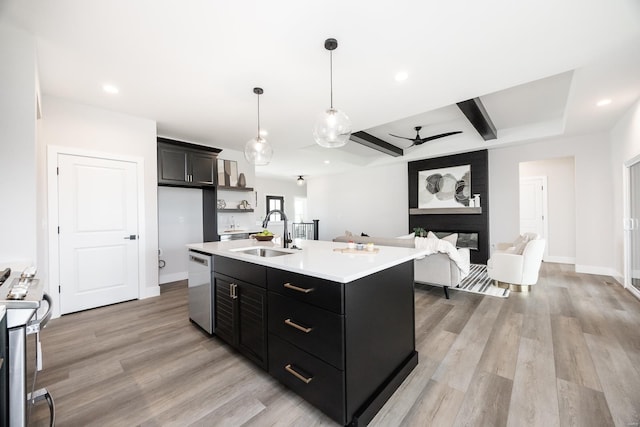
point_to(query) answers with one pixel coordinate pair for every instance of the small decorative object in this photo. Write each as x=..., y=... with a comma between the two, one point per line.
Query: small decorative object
x=262, y=238
x=476, y=200
x=244, y=205
x=359, y=246
x=242, y=181
x=221, y=204
x=230, y=173
x=370, y=247
x=420, y=232
x=351, y=245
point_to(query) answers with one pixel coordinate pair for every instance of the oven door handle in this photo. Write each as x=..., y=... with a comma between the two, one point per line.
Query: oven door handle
x=39, y=324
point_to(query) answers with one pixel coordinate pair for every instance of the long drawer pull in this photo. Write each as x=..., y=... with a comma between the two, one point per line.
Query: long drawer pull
x=296, y=288
x=299, y=376
x=298, y=327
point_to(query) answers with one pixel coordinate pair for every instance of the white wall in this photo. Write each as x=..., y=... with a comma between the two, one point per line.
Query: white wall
x=593, y=195
x=625, y=145
x=18, y=157
x=372, y=200
x=75, y=126
x=289, y=189
x=561, y=208
x=179, y=223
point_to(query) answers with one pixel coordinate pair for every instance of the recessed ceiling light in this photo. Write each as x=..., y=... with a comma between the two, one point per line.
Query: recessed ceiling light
x=402, y=76
x=109, y=88
x=603, y=102
x=326, y=162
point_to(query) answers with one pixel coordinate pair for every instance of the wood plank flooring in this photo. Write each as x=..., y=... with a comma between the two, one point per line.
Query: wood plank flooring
x=567, y=354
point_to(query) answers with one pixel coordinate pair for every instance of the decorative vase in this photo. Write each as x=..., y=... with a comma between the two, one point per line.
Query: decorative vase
x=242, y=181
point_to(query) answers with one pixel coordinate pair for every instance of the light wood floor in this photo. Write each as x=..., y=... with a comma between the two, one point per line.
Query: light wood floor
x=568, y=354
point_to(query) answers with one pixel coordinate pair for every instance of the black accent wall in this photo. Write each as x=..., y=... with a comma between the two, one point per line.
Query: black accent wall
x=466, y=223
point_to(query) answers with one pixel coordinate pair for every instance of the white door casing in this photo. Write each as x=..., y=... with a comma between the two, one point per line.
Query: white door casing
x=98, y=234
x=631, y=225
x=533, y=207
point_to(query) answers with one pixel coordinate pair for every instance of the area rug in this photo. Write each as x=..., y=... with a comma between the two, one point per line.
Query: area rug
x=478, y=282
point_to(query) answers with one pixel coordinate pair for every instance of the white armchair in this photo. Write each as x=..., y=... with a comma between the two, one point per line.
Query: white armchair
x=517, y=265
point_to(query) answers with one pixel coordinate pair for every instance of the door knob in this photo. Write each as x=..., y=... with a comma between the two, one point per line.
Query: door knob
x=131, y=237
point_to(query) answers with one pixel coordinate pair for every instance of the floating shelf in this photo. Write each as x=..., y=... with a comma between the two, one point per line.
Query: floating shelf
x=440, y=211
x=235, y=210
x=227, y=188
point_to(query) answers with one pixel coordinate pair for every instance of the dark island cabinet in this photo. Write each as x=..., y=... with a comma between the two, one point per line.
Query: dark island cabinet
x=241, y=307
x=186, y=165
x=344, y=347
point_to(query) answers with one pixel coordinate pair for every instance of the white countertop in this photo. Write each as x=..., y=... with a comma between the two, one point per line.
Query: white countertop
x=317, y=258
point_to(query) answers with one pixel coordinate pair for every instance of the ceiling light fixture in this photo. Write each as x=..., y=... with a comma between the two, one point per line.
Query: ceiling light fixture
x=333, y=127
x=300, y=181
x=110, y=89
x=258, y=151
x=603, y=102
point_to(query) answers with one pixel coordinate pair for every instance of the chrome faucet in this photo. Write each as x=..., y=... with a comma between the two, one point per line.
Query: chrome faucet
x=285, y=243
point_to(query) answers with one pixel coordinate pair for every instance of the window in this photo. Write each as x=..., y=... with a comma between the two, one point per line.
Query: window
x=275, y=202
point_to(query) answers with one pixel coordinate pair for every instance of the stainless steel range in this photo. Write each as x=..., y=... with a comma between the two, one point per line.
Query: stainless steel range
x=22, y=295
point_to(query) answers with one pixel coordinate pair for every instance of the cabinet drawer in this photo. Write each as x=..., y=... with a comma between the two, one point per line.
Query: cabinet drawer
x=318, y=292
x=313, y=329
x=241, y=270
x=317, y=382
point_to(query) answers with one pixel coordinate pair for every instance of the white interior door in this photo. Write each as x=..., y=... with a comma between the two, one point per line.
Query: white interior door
x=98, y=232
x=533, y=207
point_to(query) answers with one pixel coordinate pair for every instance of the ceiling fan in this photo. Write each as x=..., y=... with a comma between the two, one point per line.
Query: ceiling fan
x=418, y=141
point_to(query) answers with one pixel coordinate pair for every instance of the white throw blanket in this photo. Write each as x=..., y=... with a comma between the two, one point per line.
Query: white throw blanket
x=438, y=245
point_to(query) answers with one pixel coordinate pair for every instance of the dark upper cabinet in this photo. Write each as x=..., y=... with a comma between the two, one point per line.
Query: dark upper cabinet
x=186, y=165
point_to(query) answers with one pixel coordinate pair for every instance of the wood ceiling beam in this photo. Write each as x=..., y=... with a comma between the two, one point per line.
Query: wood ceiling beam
x=479, y=118
x=371, y=141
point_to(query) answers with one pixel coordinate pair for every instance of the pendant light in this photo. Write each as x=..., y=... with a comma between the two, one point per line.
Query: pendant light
x=333, y=127
x=300, y=181
x=258, y=151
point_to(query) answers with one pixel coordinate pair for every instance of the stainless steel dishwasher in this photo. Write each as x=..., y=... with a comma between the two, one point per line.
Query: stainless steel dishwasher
x=201, y=303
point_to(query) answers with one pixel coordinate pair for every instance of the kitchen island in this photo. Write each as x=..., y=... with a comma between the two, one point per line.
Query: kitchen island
x=337, y=328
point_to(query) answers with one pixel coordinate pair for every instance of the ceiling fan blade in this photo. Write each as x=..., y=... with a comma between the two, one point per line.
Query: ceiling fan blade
x=403, y=137
x=431, y=138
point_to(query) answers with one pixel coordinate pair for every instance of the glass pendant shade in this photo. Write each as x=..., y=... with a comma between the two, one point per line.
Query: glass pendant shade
x=332, y=129
x=300, y=181
x=258, y=151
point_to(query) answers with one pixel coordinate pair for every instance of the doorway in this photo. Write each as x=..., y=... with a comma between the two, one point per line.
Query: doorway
x=547, y=205
x=94, y=211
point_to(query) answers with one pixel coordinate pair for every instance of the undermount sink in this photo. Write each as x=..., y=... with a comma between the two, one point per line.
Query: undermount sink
x=262, y=252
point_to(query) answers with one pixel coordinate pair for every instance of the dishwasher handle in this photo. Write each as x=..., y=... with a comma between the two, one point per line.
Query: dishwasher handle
x=39, y=324
x=199, y=260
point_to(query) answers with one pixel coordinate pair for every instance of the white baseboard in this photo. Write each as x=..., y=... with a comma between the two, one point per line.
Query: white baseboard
x=173, y=277
x=560, y=259
x=592, y=269
x=150, y=292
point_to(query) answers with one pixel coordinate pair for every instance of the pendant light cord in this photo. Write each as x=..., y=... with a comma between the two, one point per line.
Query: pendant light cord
x=331, y=75
x=258, y=137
